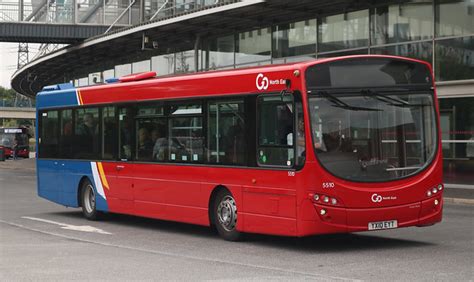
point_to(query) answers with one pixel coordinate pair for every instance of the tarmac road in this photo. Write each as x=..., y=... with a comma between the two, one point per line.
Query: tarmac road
x=40, y=240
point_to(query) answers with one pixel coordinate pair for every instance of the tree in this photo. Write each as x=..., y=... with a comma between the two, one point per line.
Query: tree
x=7, y=97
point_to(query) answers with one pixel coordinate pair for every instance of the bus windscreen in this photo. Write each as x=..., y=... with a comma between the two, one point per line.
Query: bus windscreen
x=372, y=119
x=7, y=138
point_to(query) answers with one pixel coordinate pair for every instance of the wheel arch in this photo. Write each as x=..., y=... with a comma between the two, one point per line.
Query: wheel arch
x=79, y=189
x=212, y=198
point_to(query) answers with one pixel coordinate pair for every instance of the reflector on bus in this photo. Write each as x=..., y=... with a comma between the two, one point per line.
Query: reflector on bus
x=61, y=86
x=138, y=76
x=112, y=80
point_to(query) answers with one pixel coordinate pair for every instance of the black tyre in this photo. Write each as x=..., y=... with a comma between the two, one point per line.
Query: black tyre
x=88, y=201
x=225, y=216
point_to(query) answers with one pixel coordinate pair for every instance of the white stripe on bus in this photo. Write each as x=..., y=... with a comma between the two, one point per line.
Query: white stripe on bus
x=98, y=183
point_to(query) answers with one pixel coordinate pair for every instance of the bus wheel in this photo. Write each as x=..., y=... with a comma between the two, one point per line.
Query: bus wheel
x=225, y=216
x=88, y=201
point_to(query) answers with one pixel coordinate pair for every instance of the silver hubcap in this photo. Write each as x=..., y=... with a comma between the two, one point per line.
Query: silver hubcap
x=227, y=213
x=89, y=199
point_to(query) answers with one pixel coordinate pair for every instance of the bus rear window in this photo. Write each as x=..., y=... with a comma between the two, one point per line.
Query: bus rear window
x=365, y=72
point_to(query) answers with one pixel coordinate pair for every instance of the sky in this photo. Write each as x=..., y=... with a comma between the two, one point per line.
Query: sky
x=8, y=60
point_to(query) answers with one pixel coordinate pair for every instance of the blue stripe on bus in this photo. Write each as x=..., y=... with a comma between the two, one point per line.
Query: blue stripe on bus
x=59, y=98
x=58, y=181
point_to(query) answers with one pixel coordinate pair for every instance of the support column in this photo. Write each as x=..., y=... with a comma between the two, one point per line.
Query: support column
x=20, y=10
x=197, y=43
x=23, y=55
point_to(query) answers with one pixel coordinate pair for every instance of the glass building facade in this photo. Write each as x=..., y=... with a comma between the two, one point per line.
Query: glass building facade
x=440, y=32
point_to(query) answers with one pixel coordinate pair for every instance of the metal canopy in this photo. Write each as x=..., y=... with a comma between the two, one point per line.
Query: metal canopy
x=172, y=34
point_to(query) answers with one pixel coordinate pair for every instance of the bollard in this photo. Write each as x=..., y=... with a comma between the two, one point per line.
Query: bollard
x=2, y=154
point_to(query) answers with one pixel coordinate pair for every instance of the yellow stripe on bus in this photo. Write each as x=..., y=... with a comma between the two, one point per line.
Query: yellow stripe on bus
x=102, y=175
x=80, y=97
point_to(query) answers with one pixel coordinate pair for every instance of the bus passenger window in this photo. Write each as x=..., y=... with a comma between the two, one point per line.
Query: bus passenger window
x=186, y=140
x=66, y=140
x=125, y=133
x=226, y=140
x=49, y=135
x=151, y=138
x=160, y=141
x=275, y=131
x=87, y=133
x=144, y=142
x=109, y=134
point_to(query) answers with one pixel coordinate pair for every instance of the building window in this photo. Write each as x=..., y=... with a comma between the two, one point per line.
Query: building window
x=253, y=46
x=163, y=65
x=344, y=31
x=108, y=74
x=142, y=66
x=457, y=129
x=221, y=52
x=185, y=62
x=454, y=17
x=293, y=59
x=294, y=39
x=95, y=77
x=403, y=22
x=454, y=58
x=363, y=51
x=83, y=81
x=121, y=70
x=421, y=51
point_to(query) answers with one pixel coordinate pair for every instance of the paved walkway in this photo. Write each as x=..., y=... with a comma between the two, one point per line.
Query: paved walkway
x=23, y=164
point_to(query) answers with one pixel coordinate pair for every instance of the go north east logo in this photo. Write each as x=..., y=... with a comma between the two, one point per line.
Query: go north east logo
x=262, y=82
x=378, y=199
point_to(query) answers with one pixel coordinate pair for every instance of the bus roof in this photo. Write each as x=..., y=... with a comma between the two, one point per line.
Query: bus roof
x=229, y=72
x=218, y=82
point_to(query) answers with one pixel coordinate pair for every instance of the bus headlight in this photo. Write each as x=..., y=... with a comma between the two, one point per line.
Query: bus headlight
x=324, y=199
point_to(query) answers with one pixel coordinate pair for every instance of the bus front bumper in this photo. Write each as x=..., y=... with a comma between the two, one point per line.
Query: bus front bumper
x=328, y=219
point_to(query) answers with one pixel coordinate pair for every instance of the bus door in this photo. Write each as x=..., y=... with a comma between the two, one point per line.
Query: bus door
x=48, y=167
x=280, y=152
x=151, y=146
x=121, y=180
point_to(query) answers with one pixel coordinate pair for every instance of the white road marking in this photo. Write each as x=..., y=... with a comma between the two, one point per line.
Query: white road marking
x=190, y=257
x=82, y=228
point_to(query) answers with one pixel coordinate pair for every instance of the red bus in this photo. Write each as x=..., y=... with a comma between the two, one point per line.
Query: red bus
x=11, y=136
x=327, y=146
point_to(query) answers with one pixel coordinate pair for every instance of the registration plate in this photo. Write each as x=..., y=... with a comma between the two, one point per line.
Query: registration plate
x=380, y=225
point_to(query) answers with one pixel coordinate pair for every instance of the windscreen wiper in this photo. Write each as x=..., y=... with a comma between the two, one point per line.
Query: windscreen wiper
x=392, y=101
x=340, y=104
x=403, y=168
